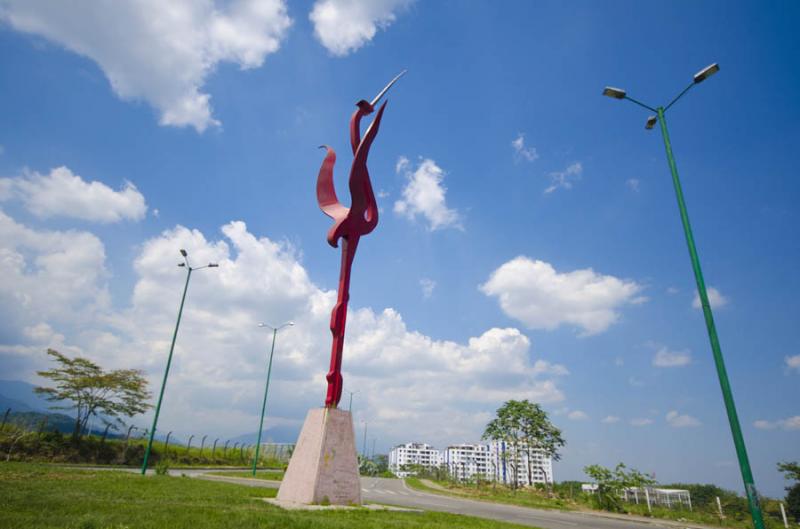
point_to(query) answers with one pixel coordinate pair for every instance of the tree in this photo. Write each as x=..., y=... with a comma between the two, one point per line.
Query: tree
x=611, y=484
x=524, y=425
x=82, y=385
x=792, y=471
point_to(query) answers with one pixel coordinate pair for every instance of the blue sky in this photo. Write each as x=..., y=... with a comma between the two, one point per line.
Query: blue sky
x=529, y=244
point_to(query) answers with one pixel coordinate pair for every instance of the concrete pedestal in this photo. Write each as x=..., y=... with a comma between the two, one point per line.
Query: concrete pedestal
x=324, y=465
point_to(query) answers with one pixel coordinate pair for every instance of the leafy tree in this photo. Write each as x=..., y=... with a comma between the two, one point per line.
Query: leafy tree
x=611, y=484
x=82, y=385
x=792, y=471
x=524, y=425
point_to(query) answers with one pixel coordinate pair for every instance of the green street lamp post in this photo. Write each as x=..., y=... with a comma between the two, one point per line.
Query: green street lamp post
x=727, y=395
x=266, y=387
x=189, y=271
x=350, y=404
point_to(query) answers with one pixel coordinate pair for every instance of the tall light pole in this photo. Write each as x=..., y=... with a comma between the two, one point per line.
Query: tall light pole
x=189, y=270
x=350, y=404
x=364, y=445
x=266, y=388
x=727, y=395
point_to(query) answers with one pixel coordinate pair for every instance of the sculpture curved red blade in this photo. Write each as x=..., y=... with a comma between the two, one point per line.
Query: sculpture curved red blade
x=350, y=224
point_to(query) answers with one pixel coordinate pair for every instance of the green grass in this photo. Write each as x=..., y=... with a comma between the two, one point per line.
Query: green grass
x=521, y=497
x=274, y=475
x=39, y=496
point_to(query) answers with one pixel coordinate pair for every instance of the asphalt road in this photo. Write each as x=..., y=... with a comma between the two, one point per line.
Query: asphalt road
x=395, y=492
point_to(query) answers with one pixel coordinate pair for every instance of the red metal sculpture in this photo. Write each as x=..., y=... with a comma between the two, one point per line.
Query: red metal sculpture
x=350, y=224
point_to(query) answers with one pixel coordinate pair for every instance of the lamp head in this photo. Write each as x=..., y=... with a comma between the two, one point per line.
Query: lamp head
x=706, y=72
x=181, y=264
x=616, y=93
x=651, y=122
x=213, y=265
x=183, y=252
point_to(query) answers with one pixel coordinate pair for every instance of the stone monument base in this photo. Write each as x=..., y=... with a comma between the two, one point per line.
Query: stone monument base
x=324, y=467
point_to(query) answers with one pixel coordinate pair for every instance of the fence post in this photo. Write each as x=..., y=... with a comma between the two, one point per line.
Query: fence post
x=719, y=507
x=5, y=418
x=647, y=497
x=783, y=513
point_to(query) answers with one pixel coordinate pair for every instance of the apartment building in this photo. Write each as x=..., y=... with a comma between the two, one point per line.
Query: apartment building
x=511, y=463
x=466, y=461
x=497, y=461
x=405, y=455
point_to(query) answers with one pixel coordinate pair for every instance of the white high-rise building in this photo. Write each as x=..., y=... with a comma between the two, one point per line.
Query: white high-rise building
x=466, y=461
x=497, y=461
x=509, y=464
x=403, y=456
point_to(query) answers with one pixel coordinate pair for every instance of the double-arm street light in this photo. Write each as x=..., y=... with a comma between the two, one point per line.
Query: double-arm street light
x=266, y=388
x=189, y=271
x=727, y=395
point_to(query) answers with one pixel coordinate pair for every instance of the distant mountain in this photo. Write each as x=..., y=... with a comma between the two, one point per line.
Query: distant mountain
x=14, y=404
x=33, y=420
x=275, y=434
x=20, y=396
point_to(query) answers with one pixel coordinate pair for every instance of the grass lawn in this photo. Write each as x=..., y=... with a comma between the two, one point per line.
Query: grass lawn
x=34, y=496
x=522, y=497
x=274, y=475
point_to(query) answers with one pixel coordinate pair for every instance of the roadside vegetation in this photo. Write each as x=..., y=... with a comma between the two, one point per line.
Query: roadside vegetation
x=23, y=443
x=38, y=496
x=569, y=496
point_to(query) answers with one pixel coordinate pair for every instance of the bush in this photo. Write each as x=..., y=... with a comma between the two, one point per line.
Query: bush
x=793, y=502
x=162, y=467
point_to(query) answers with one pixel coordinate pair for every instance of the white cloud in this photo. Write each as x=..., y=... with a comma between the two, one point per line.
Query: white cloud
x=610, y=419
x=566, y=178
x=534, y=293
x=577, y=415
x=65, y=194
x=666, y=358
x=427, y=286
x=424, y=194
x=633, y=184
x=677, y=420
x=672, y=291
x=521, y=152
x=48, y=279
x=715, y=298
x=406, y=380
x=343, y=26
x=546, y=368
x=636, y=382
x=793, y=362
x=641, y=422
x=159, y=52
x=790, y=423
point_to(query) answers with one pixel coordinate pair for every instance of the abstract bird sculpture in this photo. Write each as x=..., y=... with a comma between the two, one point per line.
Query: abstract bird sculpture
x=350, y=224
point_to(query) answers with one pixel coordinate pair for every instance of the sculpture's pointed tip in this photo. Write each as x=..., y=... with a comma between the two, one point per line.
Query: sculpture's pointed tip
x=387, y=87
